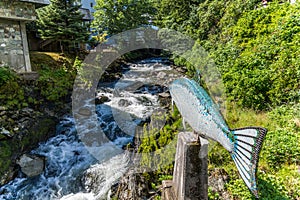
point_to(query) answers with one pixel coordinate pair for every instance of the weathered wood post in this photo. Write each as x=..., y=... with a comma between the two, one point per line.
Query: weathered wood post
x=190, y=178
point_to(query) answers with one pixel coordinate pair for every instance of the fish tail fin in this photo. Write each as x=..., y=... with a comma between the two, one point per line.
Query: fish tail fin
x=247, y=145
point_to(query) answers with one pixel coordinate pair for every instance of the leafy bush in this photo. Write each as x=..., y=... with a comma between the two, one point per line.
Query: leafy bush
x=11, y=92
x=282, y=148
x=280, y=186
x=261, y=61
x=6, y=74
x=56, y=84
x=282, y=144
x=56, y=81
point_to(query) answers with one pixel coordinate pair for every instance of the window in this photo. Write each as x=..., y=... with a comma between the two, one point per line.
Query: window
x=92, y=5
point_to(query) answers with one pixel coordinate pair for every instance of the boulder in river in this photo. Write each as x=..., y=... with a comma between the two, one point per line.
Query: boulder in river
x=31, y=165
x=101, y=99
x=124, y=103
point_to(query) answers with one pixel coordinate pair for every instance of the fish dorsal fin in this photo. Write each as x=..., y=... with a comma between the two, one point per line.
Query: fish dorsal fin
x=183, y=123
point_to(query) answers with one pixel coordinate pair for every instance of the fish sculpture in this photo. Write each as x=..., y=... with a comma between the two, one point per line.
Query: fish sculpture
x=202, y=114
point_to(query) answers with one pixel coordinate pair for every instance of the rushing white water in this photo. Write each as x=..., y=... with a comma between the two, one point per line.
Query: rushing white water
x=71, y=171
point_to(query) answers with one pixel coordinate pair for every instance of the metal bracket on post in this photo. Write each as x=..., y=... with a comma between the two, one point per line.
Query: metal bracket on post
x=190, y=177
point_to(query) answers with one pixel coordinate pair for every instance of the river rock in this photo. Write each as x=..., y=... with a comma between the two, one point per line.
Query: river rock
x=158, y=119
x=99, y=178
x=144, y=100
x=85, y=111
x=5, y=133
x=124, y=103
x=26, y=112
x=164, y=95
x=133, y=86
x=2, y=113
x=131, y=186
x=157, y=65
x=161, y=75
x=31, y=165
x=165, y=99
x=101, y=99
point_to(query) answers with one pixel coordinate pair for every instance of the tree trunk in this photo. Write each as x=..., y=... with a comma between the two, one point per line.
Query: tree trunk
x=61, y=47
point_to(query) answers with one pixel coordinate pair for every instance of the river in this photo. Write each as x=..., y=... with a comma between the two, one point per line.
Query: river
x=71, y=171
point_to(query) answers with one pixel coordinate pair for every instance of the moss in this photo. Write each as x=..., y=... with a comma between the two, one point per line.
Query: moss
x=38, y=133
x=44, y=60
x=5, y=156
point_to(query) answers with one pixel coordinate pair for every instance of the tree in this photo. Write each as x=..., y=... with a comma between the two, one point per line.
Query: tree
x=113, y=16
x=174, y=14
x=62, y=21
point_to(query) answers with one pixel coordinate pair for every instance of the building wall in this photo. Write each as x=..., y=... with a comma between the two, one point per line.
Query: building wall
x=88, y=4
x=17, y=10
x=13, y=39
x=11, y=45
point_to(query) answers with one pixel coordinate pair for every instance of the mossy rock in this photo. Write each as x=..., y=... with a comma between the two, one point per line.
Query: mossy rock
x=10, y=149
x=39, y=132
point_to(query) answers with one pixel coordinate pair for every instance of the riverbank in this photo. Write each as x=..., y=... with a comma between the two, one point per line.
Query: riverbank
x=70, y=169
x=31, y=109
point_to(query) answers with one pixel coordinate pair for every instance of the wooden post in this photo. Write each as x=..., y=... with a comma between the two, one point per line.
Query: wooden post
x=190, y=177
x=25, y=47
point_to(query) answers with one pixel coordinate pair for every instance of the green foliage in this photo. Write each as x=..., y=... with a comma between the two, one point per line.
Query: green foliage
x=212, y=195
x=158, y=149
x=283, y=185
x=114, y=17
x=282, y=143
x=11, y=92
x=174, y=14
x=5, y=156
x=62, y=21
x=278, y=176
x=5, y=75
x=261, y=65
x=77, y=66
x=255, y=48
x=283, y=148
x=55, y=84
x=57, y=74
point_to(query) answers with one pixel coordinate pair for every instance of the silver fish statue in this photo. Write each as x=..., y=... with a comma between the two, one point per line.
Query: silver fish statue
x=202, y=114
